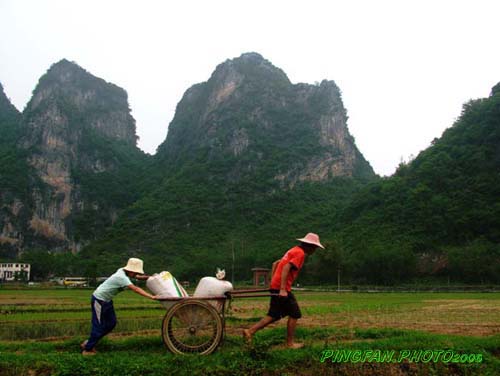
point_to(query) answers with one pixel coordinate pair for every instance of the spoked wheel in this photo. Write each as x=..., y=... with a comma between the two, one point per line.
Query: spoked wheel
x=192, y=327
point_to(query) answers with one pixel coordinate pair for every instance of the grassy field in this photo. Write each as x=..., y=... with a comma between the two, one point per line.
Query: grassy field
x=41, y=331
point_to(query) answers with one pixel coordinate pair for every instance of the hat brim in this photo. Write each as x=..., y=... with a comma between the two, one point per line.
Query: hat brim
x=133, y=270
x=317, y=244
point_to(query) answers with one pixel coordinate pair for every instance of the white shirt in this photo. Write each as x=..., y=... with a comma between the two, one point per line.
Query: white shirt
x=112, y=286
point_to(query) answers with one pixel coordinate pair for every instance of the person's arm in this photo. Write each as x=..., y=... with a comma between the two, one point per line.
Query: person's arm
x=142, y=277
x=284, y=275
x=273, y=268
x=140, y=291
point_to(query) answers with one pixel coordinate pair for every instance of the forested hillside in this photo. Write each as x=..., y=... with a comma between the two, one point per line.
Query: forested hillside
x=70, y=163
x=14, y=176
x=10, y=131
x=438, y=217
x=251, y=162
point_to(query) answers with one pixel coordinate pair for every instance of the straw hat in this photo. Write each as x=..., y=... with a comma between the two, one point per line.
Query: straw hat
x=311, y=238
x=134, y=265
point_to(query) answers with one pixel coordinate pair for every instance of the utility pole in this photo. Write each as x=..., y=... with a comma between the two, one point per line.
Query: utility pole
x=232, y=267
x=338, y=279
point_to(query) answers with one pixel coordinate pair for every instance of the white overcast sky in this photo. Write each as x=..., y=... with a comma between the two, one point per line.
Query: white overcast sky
x=404, y=67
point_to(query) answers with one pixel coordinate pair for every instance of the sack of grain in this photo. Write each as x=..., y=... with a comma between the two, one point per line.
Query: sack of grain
x=166, y=286
x=213, y=287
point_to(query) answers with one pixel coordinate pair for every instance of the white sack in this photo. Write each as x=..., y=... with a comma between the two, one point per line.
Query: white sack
x=166, y=286
x=210, y=286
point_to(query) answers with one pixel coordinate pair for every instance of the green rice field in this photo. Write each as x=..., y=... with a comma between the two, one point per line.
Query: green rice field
x=429, y=334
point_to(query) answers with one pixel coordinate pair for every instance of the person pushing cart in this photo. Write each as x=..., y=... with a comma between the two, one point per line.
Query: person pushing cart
x=103, y=313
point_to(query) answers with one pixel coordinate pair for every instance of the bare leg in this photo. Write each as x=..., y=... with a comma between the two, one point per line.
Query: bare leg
x=248, y=333
x=291, y=325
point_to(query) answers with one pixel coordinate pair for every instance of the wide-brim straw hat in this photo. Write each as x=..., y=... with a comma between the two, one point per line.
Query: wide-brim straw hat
x=311, y=238
x=134, y=265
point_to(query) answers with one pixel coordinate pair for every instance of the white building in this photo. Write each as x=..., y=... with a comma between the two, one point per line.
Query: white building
x=14, y=271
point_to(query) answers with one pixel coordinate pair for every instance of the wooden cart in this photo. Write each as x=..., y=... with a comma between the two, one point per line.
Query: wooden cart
x=197, y=324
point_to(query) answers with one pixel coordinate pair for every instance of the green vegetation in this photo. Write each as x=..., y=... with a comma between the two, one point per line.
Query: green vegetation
x=145, y=356
x=443, y=206
x=47, y=326
x=108, y=173
x=14, y=174
x=208, y=201
x=202, y=203
x=110, y=191
x=435, y=221
x=189, y=229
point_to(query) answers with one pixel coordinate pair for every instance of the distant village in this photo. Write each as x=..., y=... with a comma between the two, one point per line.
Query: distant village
x=10, y=272
x=20, y=273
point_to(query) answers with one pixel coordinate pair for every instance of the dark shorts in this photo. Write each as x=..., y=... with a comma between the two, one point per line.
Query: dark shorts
x=281, y=306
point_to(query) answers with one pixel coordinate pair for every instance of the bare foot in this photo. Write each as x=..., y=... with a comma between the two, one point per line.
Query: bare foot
x=83, y=344
x=87, y=353
x=247, y=335
x=295, y=345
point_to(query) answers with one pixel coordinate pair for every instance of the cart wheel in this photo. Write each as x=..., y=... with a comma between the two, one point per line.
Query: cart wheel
x=192, y=327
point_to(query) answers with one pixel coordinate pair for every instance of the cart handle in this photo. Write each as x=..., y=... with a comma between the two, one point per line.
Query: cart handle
x=249, y=294
x=253, y=296
x=228, y=295
x=237, y=292
x=175, y=299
